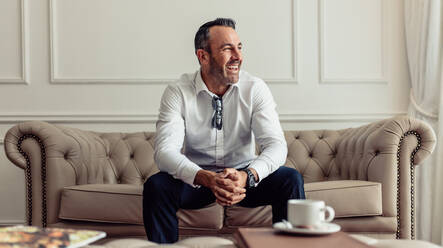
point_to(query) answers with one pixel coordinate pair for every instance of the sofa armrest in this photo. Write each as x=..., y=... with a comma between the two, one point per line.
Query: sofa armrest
x=387, y=152
x=52, y=157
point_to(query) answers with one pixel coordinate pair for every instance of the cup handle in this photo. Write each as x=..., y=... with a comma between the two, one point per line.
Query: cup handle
x=331, y=213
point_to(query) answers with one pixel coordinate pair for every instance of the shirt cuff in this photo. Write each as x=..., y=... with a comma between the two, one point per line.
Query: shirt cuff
x=189, y=175
x=261, y=168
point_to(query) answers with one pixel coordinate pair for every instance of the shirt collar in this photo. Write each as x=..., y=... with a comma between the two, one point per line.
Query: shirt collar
x=201, y=86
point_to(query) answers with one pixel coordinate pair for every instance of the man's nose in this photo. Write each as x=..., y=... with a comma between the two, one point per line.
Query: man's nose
x=237, y=54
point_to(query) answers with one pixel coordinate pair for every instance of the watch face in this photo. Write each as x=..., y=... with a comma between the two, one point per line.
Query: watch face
x=251, y=179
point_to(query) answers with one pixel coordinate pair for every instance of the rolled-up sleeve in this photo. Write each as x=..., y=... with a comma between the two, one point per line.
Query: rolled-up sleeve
x=170, y=136
x=268, y=132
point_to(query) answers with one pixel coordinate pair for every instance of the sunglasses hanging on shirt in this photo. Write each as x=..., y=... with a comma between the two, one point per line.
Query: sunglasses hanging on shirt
x=217, y=119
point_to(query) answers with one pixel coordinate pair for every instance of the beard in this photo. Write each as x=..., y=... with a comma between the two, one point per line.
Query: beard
x=220, y=73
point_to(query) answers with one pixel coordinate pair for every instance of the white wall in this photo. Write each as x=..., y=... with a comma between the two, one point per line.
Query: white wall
x=103, y=64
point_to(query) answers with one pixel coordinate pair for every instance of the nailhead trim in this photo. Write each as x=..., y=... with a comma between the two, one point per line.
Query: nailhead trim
x=412, y=168
x=28, y=178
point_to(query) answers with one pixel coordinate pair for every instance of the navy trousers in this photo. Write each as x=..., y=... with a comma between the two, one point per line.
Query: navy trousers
x=163, y=196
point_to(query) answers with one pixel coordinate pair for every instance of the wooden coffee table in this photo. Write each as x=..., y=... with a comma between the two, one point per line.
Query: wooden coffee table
x=268, y=237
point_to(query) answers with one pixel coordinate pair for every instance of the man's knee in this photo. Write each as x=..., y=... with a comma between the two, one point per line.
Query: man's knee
x=291, y=175
x=156, y=183
x=296, y=176
x=296, y=183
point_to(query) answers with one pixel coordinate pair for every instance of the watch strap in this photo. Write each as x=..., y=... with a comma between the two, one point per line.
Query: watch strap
x=250, y=180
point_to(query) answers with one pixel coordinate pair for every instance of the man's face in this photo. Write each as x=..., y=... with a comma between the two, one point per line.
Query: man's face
x=225, y=54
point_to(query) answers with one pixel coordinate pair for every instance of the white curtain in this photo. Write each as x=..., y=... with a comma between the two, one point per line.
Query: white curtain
x=423, y=28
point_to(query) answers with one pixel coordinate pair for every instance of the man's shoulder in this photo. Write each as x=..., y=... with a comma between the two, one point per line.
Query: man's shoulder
x=186, y=80
x=250, y=80
x=254, y=88
x=250, y=84
x=183, y=84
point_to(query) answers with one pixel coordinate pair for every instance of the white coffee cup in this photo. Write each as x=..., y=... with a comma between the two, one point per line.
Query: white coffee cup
x=308, y=212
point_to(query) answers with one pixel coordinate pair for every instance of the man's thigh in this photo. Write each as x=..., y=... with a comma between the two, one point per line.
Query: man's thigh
x=194, y=198
x=164, y=187
x=274, y=188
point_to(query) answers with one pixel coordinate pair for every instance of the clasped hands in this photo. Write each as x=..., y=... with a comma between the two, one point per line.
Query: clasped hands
x=228, y=186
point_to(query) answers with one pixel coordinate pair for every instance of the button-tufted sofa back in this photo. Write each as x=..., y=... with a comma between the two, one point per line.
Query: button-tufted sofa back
x=129, y=158
x=313, y=154
x=123, y=158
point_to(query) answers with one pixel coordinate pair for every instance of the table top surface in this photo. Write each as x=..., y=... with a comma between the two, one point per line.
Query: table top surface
x=268, y=237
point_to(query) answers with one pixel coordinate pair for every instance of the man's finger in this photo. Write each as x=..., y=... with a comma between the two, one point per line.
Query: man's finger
x=238, y=198
x=221, y=198
x=222, y=174
x=223, y=181
x=223, y=193
x=227, y=184
x=235, y=189
x=230, y=186
x=239, y=190
x=233, y=176
x=222, y=203
x=227, y=202
x=227, y=172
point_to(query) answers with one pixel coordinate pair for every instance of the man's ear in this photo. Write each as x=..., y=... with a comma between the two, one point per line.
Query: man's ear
x=203, y=56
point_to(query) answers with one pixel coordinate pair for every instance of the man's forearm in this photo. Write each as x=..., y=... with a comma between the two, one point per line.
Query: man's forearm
x=204, y=178
x=176, y=164
x=272, y=157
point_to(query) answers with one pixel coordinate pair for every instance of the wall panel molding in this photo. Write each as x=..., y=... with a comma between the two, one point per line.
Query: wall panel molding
x=150, y=81
x=78, y=118
x=295, y=34
x=23, y=79
x=152, y=118
x=66, y=80
x=382, y=79
x=328, y=118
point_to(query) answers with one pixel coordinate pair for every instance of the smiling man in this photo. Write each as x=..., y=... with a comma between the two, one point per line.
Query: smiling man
x=208, y=124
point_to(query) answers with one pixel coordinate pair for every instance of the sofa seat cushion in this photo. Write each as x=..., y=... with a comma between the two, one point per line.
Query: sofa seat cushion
x=349, y=198
x=237, y=216
x=122, y=203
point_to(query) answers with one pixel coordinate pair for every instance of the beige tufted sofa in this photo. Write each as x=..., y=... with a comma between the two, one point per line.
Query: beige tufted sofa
x=85, y=179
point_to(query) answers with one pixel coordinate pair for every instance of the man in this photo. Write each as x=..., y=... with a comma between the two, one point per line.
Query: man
x=212, y=115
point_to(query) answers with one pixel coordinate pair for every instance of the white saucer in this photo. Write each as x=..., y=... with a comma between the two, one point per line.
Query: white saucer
x=325, y=228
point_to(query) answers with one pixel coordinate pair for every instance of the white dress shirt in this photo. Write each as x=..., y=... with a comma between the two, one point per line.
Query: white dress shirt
x=186, y=142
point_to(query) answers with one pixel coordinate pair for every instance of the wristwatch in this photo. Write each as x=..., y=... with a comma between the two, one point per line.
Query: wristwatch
x=250, y=180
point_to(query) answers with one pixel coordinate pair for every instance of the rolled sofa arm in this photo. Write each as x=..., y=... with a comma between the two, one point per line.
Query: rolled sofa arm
x=387, y=151
x=52, y=157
